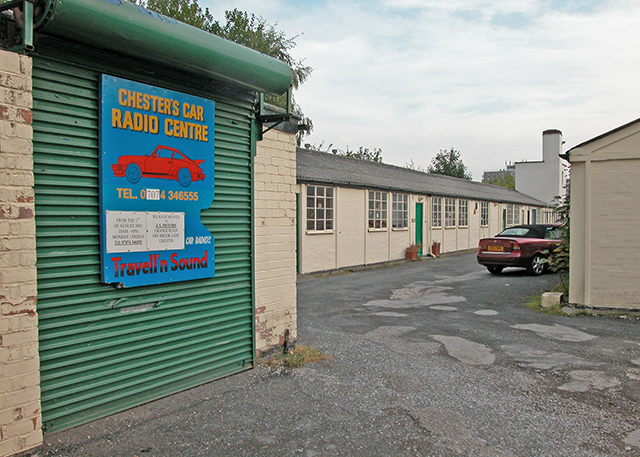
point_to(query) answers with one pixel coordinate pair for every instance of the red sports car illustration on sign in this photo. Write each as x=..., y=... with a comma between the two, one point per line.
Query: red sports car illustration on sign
x=162, y=162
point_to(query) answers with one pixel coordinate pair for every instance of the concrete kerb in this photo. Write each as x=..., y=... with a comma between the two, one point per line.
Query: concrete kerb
x=603, y=311
x=551, y=299
x=355, y=269
x=358, y=268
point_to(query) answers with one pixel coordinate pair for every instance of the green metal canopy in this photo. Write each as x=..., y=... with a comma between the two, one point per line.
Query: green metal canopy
x=131, y=30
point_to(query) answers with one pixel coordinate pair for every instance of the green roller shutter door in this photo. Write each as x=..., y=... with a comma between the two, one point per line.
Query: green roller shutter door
x=104, y=349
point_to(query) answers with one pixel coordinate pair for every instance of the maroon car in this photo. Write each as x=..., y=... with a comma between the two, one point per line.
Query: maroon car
x=524, y=246
x=161, y=162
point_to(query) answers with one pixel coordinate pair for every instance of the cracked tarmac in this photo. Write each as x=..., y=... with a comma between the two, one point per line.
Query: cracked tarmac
x=432, y=358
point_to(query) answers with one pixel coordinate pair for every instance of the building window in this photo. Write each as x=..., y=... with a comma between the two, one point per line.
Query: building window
x=463, y=213
x=513, y=214
x=449, y=212
x=377, y=210
x=319, y=208
x=484, y=213
x=436, y=212
x=399, y=210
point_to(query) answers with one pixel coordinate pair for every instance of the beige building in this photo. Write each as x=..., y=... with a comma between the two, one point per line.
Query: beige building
x=605, y=215
x=58, y=367
x=354, y=212
x=20, y=410
x=275, y=238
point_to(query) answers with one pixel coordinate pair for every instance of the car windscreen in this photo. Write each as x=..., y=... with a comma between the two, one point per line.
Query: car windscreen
x=516, y=231
x=533, y=231
x=554, y=233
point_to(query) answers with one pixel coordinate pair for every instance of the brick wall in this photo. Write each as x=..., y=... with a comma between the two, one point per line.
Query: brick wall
x=275, y=240
x=20, y=418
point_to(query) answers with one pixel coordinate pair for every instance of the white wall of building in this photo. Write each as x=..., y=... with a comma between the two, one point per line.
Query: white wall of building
x=544, y=180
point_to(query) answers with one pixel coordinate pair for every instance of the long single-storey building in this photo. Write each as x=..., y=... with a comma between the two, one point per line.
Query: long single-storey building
x=356, y=212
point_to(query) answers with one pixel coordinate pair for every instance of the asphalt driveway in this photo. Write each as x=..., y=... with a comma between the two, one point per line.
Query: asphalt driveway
x=433, y=358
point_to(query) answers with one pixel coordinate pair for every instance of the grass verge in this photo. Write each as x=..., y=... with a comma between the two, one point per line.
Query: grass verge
x=297, y=357
x=535, y=303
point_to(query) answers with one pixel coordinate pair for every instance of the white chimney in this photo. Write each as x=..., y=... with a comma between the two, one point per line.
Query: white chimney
x=551, y=145
x=544, y=180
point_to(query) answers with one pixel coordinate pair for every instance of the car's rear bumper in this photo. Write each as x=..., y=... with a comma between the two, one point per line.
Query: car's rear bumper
x=510, y=259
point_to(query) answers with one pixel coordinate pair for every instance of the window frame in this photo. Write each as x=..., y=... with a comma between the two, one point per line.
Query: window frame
x=463, y=213
x=484, y=214
x=449, y=212
x=513, y=214
x=436, y=212
x=377, y=213
x=399, y=215
x=326, y=209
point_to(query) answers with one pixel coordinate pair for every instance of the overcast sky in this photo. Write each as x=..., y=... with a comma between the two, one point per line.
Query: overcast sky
x=485, y=77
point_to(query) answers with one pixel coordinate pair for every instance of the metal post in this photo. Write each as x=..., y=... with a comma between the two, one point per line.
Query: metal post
x=27, y=31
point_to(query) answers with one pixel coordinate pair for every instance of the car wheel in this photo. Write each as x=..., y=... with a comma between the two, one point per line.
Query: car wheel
x=494, y=269
x=537, y=265
x=133, y=173
x=184, y=177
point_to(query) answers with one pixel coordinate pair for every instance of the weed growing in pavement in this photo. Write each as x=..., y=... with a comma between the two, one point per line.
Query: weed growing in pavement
x=535, y=303
x=297, y=357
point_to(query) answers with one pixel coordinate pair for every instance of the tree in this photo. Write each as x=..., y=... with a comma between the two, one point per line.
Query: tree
x=186, y=11
x=411, y=165
x=506, y=180
x=559, y=258
x=362, y=154
x=248, y=30
x=449, y=163
x=254, y=32
x=321, y=147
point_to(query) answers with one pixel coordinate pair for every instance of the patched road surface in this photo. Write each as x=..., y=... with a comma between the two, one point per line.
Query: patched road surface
x=432, y=358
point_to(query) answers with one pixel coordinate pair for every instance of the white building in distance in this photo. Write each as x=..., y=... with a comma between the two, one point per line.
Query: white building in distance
x=547, y=179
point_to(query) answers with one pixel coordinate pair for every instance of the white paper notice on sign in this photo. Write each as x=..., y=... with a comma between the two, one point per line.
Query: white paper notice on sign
x=141, y=231
x=165, y=231
x=126, y=231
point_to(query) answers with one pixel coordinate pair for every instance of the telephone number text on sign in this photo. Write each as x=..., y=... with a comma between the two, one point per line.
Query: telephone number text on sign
x=157, y=194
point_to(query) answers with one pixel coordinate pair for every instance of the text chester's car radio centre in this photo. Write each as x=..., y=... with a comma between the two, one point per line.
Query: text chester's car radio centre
x=150, y=123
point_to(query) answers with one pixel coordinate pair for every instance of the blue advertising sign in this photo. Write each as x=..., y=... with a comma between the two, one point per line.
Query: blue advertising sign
x=156, y=175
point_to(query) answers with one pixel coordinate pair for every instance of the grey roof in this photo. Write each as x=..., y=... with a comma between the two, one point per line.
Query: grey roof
x=622, y=127
x=324, y=168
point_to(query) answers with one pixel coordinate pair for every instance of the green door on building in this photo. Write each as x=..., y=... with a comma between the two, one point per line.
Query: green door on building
x=418, y=227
